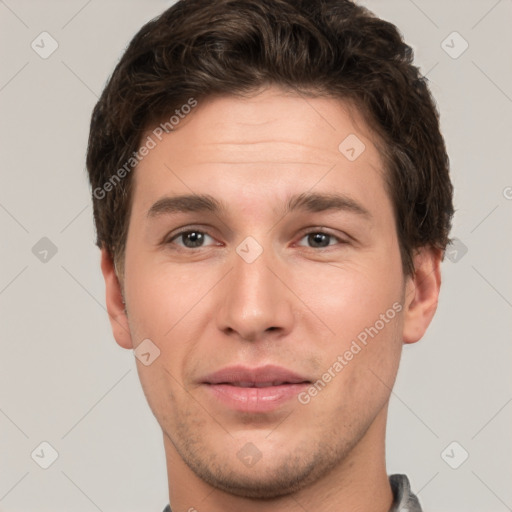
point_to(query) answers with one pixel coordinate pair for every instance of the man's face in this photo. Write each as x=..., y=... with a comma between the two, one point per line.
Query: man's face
x=255, y=286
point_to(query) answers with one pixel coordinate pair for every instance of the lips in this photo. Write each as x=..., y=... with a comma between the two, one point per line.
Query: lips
x=255, y=390
x=250, y=384
x=260, y=377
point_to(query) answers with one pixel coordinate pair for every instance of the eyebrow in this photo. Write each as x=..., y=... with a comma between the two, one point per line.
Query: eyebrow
x=307, y=201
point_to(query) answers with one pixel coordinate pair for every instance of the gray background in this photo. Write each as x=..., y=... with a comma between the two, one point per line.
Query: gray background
x=63, y=379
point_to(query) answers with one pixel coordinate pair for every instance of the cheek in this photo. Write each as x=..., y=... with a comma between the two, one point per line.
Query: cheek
x=159, y=306
x=361, y=303
x=349, y=297
x=159, y=297
x=164, y=305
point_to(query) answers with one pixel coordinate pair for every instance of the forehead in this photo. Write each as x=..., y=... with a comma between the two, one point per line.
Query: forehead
x=314, y=125
x=271, y=143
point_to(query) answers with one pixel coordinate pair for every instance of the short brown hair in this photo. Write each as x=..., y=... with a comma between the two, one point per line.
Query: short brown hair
x=197, y=49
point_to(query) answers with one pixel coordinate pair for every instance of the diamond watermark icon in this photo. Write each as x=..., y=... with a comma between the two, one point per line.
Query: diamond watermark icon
x=352, y=147
x=249, y=250
x=454, y=45
x=249, y=454
x=44, y=250
x=454, y=455
x=44, y=45
x=456, y=250
x=146, y=352
x=44, y=455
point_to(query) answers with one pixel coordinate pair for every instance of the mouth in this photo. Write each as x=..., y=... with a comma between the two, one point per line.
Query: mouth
x=250, y=384
x=254, y=390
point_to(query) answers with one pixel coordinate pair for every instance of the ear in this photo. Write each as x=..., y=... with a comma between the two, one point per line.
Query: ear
x=115, y=303
x=421, y=293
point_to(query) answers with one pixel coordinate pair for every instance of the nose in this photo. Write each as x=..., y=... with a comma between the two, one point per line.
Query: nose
x=256, y=301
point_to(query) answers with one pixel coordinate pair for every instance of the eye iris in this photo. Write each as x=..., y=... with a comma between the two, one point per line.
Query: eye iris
x=195, y=237
x=318, y=239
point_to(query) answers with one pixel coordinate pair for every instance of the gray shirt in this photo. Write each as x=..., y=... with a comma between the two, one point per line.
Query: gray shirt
x=404, y=500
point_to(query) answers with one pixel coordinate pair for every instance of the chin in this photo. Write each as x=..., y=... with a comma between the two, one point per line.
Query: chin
x=274, y=475
x=266, y=483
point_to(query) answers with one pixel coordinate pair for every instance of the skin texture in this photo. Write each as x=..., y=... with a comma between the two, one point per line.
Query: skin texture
x=298, y=305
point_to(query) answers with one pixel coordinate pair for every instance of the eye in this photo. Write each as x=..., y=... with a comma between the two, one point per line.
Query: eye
x=321, y=239
x=191, y=239
x=195, y=239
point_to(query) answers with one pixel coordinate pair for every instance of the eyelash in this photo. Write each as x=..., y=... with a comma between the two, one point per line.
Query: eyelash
x=171, y=240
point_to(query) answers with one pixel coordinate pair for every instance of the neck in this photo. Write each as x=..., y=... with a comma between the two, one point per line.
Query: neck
x=359, y=482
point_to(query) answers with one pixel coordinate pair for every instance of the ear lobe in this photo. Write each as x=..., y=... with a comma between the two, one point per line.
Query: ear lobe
x=115, y=304
x=422, y=293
